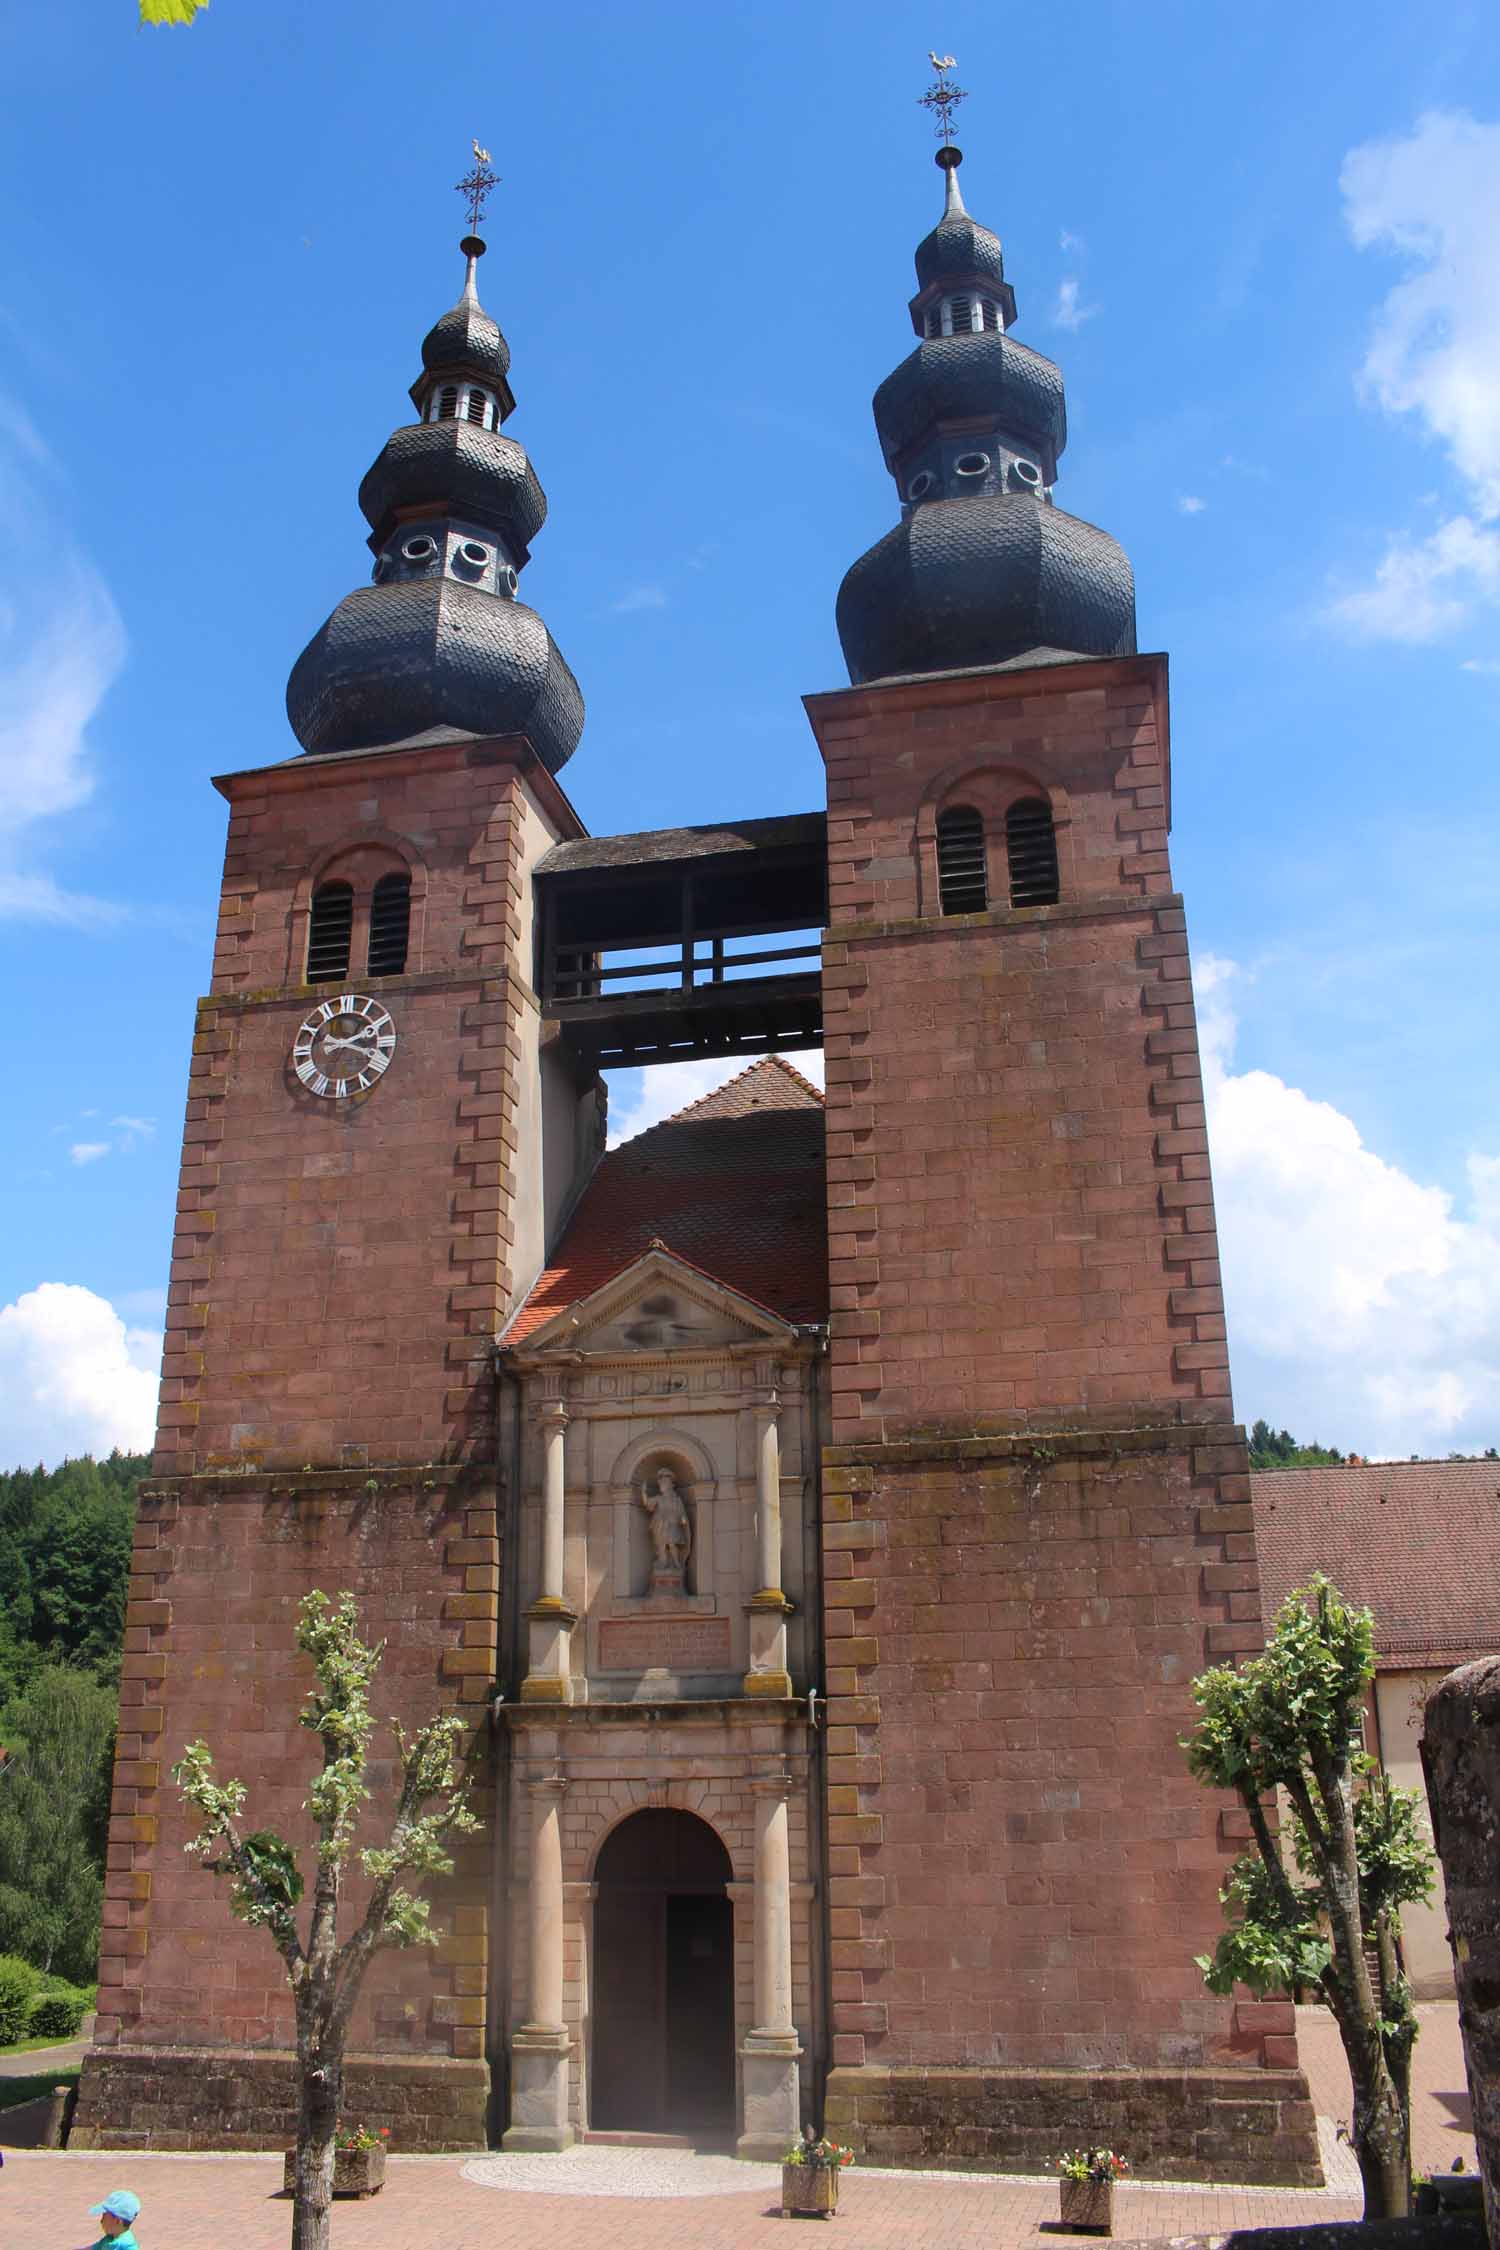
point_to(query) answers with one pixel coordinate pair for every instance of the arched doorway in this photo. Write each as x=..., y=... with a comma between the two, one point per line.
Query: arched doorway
x=663, y=1980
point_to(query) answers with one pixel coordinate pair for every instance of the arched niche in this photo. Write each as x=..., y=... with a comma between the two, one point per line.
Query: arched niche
x=687, y=1460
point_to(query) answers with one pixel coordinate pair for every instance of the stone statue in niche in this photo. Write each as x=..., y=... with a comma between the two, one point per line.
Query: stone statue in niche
x=671, y=1532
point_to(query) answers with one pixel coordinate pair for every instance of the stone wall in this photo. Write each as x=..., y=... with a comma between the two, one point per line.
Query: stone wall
x=218, y=1570
x=341, y=1267
x=241, y=2097
x=1252, y=2127
x=1020, y=1213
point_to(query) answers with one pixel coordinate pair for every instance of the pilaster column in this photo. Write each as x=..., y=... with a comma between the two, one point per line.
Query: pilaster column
x=769, y=2055
x=540, y=2045
x=768, y=1607
x=768, y=1495
x=549, y=1620
x=554, y=1421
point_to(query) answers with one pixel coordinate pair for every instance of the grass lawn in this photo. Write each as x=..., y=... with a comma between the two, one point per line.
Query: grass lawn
x=32, y=2046
x=13, y=2091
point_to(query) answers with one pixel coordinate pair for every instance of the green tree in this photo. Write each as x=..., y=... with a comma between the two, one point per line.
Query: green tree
x=171, y=11
x=267, y=1884
x=1291, y=1719
x=1278, y=1449
x=54, y=1799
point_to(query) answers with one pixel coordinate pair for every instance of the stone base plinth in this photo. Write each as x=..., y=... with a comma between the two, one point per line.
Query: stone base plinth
x=245, y=2098
x=1250, y=2126
x=772, y=2095
x=539, y=2058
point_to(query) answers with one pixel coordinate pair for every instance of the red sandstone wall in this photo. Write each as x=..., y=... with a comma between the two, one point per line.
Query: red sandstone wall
x=1037, y=1508
x=1020, y=1866
x=1020, y=1214
x=217, y=1576
x=339, y=1268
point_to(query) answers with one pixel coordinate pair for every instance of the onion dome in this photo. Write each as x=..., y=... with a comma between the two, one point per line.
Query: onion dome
x=466, y=336
x=440, y=639
x=983, y=568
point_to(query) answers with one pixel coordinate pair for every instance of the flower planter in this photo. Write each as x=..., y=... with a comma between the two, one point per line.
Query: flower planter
x=356, y=2171
x=1088, y=2206
x=809, y=2190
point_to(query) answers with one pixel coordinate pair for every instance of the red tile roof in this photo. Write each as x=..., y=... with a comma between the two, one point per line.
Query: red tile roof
x=733, y=1184
x=1415, y=1542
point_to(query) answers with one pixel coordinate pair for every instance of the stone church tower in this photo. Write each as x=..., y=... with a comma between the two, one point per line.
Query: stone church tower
x=819, y=1505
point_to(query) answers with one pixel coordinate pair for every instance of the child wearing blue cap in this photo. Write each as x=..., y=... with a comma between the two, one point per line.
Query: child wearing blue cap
x=118, y=2213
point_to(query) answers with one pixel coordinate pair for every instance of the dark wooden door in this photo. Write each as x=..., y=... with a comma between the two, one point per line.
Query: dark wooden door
x=662, y=2050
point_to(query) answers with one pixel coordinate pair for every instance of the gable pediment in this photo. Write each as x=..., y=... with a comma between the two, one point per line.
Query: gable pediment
x=659, y=1305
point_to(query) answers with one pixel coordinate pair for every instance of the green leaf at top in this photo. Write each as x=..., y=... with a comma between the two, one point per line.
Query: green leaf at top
x=170, y=11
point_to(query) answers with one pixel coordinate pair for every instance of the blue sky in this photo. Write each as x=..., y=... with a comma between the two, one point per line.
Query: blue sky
x=1260, y=246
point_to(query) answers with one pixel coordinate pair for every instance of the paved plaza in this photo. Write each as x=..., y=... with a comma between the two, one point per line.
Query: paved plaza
x=610, y=2198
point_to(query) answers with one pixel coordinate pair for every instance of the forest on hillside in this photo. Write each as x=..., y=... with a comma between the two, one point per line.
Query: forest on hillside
x=64, y=1559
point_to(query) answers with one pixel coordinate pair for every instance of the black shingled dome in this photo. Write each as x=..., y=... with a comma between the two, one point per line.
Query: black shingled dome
x=440, y=640
x=983, y=569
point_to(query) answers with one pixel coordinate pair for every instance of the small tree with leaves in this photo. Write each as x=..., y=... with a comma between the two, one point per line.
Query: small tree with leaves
x=267, y=1884
x=1291, y=1719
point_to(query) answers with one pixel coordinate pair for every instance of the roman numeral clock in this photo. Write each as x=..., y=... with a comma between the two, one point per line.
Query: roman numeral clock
x=344, y=1047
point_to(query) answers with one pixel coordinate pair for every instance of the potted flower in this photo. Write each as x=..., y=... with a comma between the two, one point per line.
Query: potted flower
x=358, y=2161
x=1086, y=2189
x=810, y=2176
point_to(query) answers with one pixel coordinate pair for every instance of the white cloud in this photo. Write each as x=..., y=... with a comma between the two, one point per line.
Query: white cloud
x=1189, y=504
x=73, y=1377
x=1423, y=588
x=88, y=1152
x=636, y=598
x=1432, y=197
x=1067, y=242
x=61, y=645
x=1487, y=664
x=1364, y=1306
x=133, y=1130
x=1069, y=312
x=648, y=1096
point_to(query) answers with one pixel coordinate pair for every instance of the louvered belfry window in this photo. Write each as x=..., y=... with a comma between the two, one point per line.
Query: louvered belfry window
x=328, y=929
x=448, y=403
x=390, y=919
x=962, y=888
x=1031, y=852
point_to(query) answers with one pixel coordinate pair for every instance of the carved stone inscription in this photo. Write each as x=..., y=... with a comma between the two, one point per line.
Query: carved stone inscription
x=667, y=1644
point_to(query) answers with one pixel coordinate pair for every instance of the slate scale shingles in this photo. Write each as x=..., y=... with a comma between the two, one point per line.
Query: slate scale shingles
x=733, y=1185
x=1416, y=1542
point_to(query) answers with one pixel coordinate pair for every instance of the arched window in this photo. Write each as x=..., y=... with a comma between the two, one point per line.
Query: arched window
x=390, y=919
x=962, y=888
x=328, y=929
x=475, y=406
x=960, y=316
x=934, y=322
x=448, y=403
x=1031, y=853
x=989, y=312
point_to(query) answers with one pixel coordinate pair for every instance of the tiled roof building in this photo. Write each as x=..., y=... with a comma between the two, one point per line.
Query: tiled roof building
x=1415, y=1542
x=733, y=1184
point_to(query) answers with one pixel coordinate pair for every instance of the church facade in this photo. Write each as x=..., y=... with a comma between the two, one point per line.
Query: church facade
x=819, y=1505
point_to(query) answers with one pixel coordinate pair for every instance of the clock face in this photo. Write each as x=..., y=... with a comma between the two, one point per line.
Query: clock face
x=345, y=1046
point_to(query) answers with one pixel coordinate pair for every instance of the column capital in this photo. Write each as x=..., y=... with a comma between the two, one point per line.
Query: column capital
x=777, y=1784
x=766, y=1407
x=544, y=1785
x=553, y=1413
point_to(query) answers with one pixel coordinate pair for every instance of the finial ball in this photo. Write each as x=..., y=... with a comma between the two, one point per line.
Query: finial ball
x=948, y=158
x=473, y=246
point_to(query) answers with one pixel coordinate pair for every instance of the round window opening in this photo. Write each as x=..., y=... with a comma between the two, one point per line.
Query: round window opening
x=473, y=554
x=972, y=464
x=921, y=485
x=419, y=550
x=1028, y=472
x=508, y=580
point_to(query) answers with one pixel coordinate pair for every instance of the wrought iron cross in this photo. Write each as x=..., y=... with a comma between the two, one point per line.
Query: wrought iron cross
x=943, y=95
x=478, y=186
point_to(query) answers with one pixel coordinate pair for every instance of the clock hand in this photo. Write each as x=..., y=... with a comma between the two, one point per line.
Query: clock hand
x=357, y=1041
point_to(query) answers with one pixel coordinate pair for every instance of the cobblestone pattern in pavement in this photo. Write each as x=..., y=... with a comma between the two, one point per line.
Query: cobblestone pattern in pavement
x=1441, y=2120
